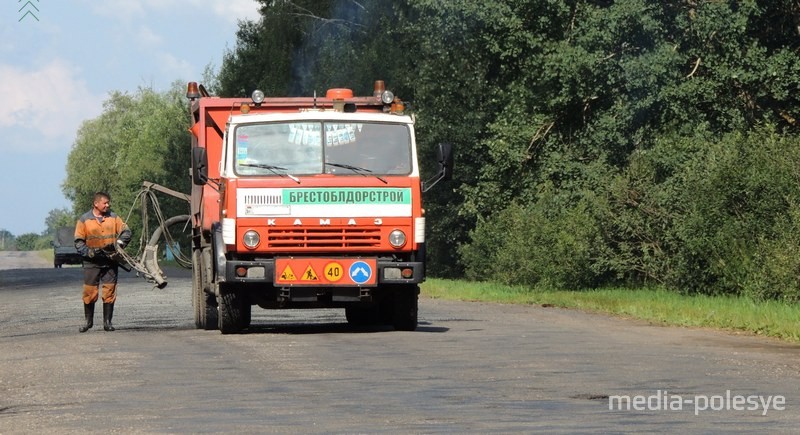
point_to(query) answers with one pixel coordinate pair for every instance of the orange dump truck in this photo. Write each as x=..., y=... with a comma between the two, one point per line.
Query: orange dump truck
x=307, y=203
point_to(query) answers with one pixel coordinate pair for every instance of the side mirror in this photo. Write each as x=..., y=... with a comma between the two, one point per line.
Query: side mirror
x=444, y=157
x=199, y=166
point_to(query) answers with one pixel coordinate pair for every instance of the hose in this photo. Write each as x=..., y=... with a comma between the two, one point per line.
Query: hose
x=146, y=260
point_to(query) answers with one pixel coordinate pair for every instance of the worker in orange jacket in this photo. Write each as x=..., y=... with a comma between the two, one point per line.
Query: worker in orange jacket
x=96, y=233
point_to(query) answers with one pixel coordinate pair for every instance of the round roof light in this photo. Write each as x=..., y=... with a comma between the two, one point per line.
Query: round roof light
x=387, y=97
x=258, y=96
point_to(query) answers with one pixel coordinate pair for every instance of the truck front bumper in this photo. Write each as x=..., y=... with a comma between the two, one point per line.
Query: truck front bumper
x=263, y=271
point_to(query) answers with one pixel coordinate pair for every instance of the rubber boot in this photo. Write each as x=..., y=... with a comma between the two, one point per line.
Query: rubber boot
x=108, y=313
x=88, y=311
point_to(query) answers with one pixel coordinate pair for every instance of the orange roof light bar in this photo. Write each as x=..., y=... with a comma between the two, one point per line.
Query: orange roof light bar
x=339, y=93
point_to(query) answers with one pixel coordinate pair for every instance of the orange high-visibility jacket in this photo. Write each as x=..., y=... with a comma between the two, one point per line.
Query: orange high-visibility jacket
x=92, y=232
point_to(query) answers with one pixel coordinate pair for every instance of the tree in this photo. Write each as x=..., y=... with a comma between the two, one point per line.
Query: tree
x=268, y=54
x=138, y=137
x=302, y=46
x=57, y=218
x=27, y=241
x=7, y=241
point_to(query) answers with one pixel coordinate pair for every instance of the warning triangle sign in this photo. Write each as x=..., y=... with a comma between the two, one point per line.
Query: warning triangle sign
x=309, y=274
x=288, y=274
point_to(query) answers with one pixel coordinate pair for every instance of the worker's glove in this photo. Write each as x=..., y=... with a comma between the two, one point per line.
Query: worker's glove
x=121, y=243
x=110, y=252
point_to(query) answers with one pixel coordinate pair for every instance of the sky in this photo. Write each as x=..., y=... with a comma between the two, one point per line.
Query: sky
x=59, y=63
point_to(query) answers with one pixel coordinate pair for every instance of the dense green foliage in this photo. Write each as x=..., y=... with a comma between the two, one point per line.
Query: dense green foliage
x=138, y=137
x=625, y=142
x=57, y=218
x=31, y=242
x=306, y=45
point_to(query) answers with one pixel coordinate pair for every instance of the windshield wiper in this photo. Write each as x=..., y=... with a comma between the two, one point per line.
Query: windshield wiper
x=358, y=170
x=272, y=168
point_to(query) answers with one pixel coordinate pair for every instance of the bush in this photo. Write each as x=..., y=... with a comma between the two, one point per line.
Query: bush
x=31, y=242
x=696, y=215
x=542, y=244
x=712, y=216
x=776, y=266
x=736, y=201
x=639, y=217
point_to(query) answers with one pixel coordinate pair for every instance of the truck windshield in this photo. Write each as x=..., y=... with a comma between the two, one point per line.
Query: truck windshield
x=304, y=148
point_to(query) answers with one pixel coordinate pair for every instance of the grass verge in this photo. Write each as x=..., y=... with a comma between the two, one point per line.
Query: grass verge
x=769, y=318
x=47, y=254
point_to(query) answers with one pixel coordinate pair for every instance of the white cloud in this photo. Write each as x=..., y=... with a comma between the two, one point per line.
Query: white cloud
x=231, y=10
x=51, y=101
x=147, y=37
x=116, y=8
x=175, y=66
x=234, y=10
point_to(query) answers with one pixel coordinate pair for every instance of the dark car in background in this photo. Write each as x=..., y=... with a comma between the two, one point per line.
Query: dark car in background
x=64, y=248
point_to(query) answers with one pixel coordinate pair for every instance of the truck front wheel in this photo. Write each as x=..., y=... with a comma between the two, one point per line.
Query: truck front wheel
x=405, y=309
x=231, y=309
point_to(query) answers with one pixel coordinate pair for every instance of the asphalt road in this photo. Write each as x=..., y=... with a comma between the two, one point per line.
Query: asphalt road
x=469, y=368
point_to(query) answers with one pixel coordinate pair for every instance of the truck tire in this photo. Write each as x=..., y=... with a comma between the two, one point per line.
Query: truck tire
x=231, y=311
x=197, y=290
x=199, y=297
x=212, y=311
x=405, y=308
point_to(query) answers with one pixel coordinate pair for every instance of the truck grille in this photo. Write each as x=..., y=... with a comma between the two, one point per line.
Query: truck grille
x=324, y=238
x=263, y=199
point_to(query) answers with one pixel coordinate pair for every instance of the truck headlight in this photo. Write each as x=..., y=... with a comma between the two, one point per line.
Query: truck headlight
x=397, y=238
x=251, y=239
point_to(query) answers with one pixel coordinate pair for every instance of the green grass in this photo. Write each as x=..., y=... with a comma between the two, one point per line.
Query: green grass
x=47, y=254
x=769, y=318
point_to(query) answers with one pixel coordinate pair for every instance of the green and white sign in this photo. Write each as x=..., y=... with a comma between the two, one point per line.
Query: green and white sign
x=324, y=202
x=372, y=196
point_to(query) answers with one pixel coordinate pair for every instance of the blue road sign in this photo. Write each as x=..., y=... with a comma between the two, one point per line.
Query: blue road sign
x=360, y=272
